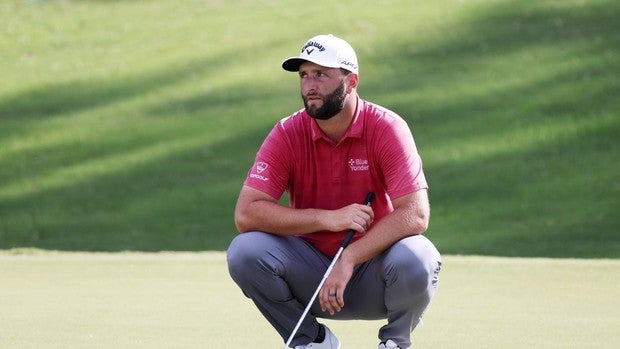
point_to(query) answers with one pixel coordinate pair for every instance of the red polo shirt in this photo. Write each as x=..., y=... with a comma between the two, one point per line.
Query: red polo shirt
x=376, y=154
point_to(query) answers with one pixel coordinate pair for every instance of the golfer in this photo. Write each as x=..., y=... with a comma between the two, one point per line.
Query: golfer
x=327, y=157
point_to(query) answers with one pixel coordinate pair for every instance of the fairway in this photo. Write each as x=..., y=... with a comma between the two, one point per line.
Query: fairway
x=187, y=300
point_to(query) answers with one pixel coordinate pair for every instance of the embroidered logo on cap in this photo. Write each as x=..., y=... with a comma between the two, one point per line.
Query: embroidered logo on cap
x=312, y=44
x=349, y=64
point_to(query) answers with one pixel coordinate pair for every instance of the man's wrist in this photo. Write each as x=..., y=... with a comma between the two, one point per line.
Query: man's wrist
x=347, y=257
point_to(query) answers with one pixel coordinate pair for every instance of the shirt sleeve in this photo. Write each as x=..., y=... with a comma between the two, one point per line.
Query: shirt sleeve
x=270, y=172
x=400, y=162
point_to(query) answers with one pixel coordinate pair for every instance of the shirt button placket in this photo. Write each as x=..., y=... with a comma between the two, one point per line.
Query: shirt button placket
x=336, y=165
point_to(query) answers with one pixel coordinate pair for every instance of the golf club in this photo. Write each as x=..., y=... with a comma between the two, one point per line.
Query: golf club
x=345, y=242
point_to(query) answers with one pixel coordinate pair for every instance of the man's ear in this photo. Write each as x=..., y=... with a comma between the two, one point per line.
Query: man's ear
x=352, y=82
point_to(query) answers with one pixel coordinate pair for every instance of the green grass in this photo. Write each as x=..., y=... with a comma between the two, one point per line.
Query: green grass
x=130, y=125
x=187, y=300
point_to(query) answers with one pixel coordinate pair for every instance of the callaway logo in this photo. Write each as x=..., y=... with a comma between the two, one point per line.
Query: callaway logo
x=312, y=44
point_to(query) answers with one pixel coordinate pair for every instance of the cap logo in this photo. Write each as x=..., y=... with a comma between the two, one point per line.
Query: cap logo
x=312, y=44
x=350, y=64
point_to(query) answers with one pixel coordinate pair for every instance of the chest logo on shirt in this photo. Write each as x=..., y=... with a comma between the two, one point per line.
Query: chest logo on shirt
x=358, y=165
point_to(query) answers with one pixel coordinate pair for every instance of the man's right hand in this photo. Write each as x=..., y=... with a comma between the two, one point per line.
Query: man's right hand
x=355, y=216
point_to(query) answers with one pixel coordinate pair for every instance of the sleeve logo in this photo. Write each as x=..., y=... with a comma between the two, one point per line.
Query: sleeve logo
x=260, y=168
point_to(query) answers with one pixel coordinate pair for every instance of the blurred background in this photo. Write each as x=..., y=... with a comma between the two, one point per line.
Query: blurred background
x=130, y=125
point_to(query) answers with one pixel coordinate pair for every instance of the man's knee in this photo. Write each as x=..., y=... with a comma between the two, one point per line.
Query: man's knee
x=255, y=264
x=243, y=254
x=414, y=265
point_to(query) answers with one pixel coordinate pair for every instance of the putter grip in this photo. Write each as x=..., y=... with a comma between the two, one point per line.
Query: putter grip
x=370, y=197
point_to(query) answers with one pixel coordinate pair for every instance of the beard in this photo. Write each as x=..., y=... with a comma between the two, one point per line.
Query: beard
x=333, y=103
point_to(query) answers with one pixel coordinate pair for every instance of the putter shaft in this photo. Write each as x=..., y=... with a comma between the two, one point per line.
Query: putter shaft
x=369, y=199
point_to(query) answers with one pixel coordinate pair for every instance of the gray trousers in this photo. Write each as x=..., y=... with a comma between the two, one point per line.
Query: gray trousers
x=280, y=275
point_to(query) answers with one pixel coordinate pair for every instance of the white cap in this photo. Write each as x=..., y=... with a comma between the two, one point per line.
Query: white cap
x=327, y=51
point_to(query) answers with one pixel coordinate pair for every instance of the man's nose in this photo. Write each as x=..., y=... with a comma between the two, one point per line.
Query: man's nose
x=309, y=84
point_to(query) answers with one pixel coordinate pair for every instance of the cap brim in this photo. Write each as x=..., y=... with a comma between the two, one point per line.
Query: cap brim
x=293, y=63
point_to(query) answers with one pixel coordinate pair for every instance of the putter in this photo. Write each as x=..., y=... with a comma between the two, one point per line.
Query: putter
x=345, y=242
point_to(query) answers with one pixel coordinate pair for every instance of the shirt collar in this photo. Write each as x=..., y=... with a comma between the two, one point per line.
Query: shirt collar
x=355, y=130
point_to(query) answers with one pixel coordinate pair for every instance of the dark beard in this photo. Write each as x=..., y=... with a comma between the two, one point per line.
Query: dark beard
x=333, y=104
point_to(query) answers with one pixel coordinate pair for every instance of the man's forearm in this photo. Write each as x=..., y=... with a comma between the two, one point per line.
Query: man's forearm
x=277, y=219
x=406, y=220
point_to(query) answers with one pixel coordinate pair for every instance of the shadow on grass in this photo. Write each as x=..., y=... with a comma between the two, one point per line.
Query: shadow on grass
x=552, y=192
x=181, y=201
x=552, y=197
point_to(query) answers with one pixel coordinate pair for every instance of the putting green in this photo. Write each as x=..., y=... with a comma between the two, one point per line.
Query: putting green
x=187, y=300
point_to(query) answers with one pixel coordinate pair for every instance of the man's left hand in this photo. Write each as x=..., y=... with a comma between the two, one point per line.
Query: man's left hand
x=331, y=295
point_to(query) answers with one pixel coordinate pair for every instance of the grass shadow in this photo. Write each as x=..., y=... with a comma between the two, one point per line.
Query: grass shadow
x=518, y=156
x=519, y=163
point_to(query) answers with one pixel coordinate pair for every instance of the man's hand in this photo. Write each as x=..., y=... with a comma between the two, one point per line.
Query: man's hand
x=355, y=216
x=331, y=295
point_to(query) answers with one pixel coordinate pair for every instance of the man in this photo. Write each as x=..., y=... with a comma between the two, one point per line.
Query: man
x=328, y=156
